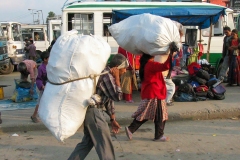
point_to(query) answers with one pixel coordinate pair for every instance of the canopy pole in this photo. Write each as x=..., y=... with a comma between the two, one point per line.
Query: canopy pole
x=200, y=35
x=209, y=41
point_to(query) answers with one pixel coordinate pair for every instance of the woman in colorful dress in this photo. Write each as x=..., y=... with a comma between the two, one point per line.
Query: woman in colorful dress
x=234, y=66
x=153, y=95
x=128, y=79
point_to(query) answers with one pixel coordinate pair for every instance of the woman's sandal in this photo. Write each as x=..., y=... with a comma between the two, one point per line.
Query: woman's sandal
x=34, y=119
x=162, y=139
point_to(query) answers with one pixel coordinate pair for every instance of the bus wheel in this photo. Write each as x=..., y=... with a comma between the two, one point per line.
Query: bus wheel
x=7, y=69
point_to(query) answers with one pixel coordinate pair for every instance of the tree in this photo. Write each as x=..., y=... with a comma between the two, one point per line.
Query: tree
x=50, y=15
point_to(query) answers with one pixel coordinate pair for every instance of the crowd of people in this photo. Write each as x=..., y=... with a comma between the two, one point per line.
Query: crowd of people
x=230, y=70
x=38, y=74
x=156, y=92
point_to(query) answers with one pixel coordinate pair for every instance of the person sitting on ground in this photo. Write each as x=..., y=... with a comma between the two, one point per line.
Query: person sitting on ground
x=41, y=82
x=27, y=67
x=153, y=95
x=96, y=130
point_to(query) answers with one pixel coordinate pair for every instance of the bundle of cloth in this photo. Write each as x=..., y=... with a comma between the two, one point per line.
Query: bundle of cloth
x=22, y=91
x=73, y=68
x=146, y=33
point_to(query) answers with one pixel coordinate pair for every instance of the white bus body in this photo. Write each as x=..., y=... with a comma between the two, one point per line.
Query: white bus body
x=54, y=29
x=95, y=17
x=15, y=46
x=38, y=35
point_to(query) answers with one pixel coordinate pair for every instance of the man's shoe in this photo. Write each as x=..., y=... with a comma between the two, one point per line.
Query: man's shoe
x=128, y=133
x=170, y=104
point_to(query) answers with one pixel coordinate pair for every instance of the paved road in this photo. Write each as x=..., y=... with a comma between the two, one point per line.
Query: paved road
x=190, y=140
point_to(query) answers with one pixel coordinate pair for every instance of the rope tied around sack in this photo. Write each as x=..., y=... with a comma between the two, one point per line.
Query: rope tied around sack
x=91, y=76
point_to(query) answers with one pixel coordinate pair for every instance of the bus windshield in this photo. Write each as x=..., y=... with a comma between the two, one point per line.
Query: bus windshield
x=16, y=32
x=26, y=33
x=56, y=29
x=56, y=34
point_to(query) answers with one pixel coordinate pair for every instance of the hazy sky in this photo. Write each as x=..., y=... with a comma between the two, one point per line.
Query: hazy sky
x=17, y=10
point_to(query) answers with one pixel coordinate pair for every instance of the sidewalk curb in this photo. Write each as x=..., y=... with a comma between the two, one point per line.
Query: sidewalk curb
x=205, y=114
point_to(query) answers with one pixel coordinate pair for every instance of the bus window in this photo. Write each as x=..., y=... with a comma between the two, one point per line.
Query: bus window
x=39, y=36
x=106, y=22
x=26, y=33
x=16, y=33
x=217, y=29
x=82, y=22
x=230, y=22
x=238, y=24
x=56, y=31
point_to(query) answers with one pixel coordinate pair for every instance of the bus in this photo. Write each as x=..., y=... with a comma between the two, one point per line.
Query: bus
x=5, y=62
x=95, y=17
x=38, y=34
x=15, y=46
x=54, y=29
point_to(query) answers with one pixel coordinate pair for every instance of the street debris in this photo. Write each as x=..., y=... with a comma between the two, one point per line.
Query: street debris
x=15, y=135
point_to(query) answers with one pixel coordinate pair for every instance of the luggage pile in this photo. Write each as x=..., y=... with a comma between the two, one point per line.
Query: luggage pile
x=199, y=86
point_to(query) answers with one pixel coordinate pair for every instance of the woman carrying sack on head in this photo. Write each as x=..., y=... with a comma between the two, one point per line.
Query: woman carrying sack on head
x=153, y=95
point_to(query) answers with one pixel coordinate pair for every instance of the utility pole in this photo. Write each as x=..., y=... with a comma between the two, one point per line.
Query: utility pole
x=32, y=14
x=38, y=18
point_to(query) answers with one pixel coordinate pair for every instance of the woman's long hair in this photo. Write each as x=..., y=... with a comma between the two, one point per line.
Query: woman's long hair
x=143, y=61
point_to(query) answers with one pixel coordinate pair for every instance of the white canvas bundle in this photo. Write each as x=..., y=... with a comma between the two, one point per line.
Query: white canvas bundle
x=145, y=33
x=63, y=107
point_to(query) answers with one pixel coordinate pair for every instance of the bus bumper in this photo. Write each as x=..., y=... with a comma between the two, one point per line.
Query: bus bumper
x=18, y=58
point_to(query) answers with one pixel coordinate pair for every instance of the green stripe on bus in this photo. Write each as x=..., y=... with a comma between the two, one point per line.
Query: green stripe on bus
x=213, y=58
x=133, y=6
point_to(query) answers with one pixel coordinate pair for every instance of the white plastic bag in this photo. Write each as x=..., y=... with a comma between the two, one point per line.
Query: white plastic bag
x=63, y=107
x=145, y=33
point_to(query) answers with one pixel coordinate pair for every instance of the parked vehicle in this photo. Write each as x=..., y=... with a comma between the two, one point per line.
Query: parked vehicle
x=54, y=29
x=12, y=32
x=39, y=36
x=5, y=63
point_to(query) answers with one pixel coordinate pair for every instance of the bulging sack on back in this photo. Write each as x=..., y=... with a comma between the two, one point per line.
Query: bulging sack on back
x=63, y=107
x=146, y=33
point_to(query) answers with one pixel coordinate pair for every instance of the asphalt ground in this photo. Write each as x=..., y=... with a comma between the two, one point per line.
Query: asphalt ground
x=229, y=108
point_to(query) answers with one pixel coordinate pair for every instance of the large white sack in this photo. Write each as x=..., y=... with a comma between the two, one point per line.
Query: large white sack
x=145, y=33
x=63, y=107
